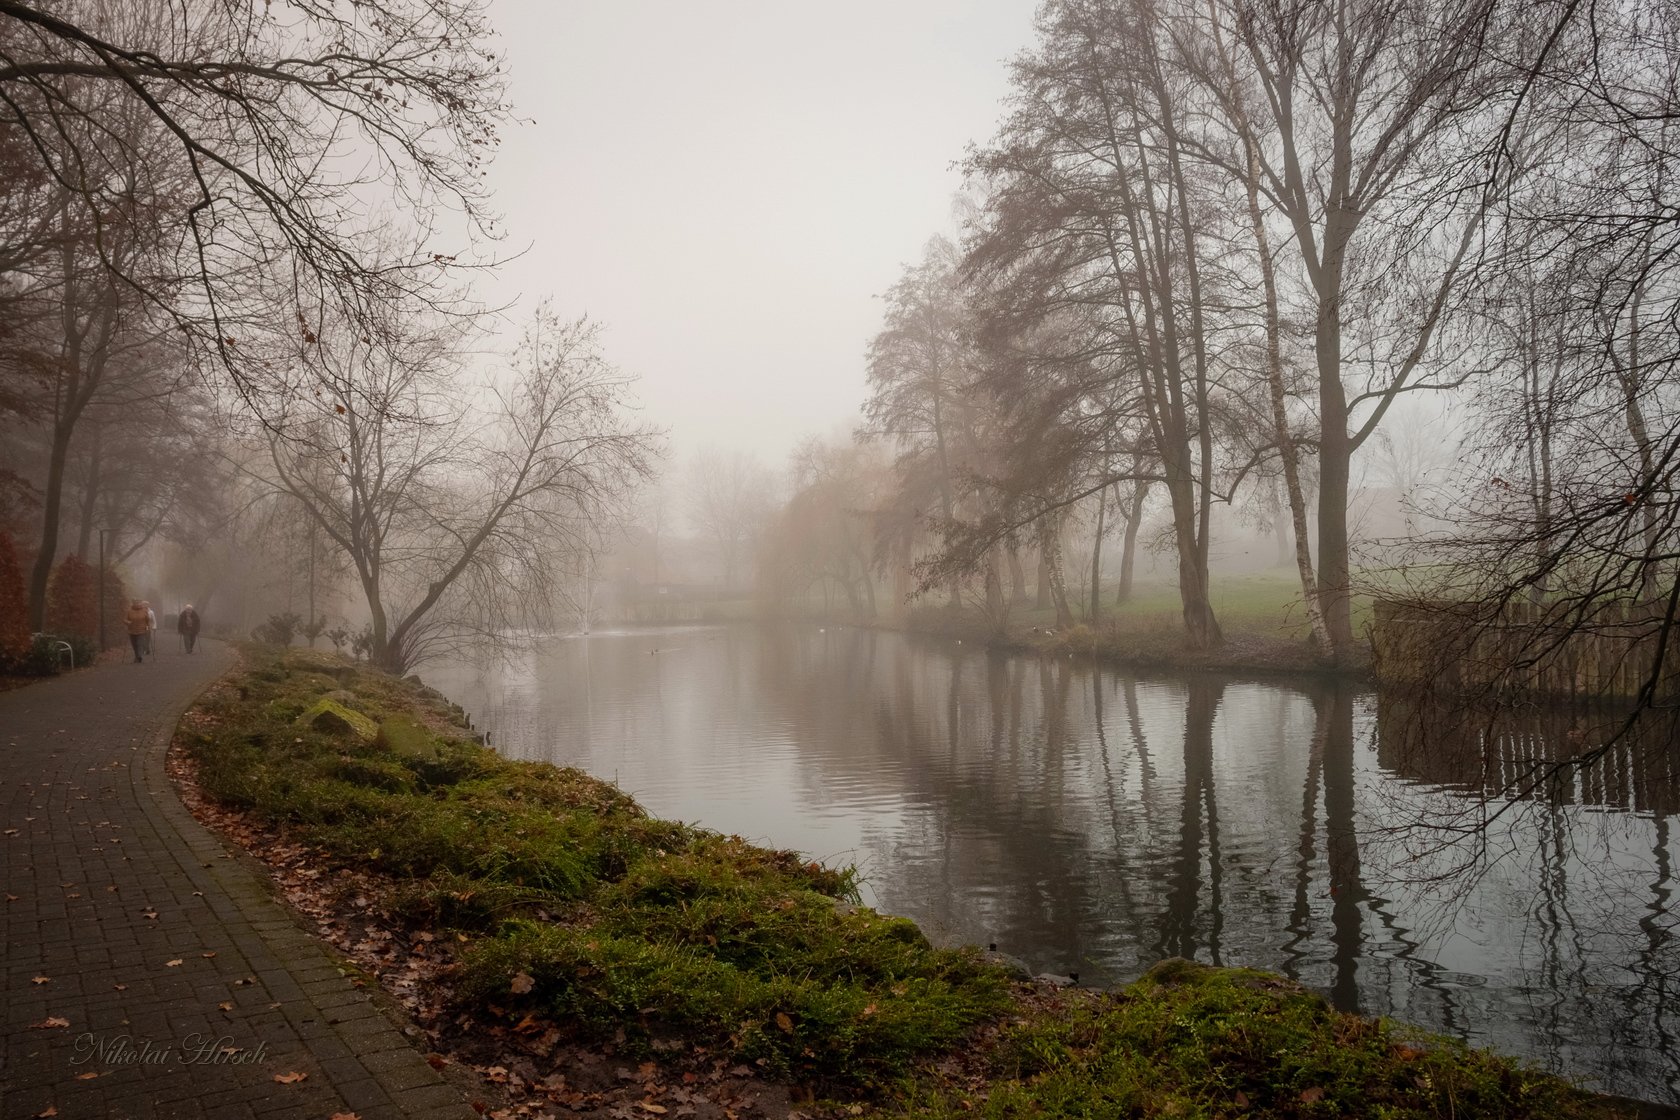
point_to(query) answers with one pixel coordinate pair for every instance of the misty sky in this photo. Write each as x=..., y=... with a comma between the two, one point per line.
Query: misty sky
x=728, y=184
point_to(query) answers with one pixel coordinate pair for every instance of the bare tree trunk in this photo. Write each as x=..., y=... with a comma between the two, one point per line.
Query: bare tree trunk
x=1042, y=601
x=997, y=607
x=52, y=500
x=1632, y=385
x=1050, y=545
x=903, y=583
x=1096, y=557
x=1128, y=552
x=1288, y=454
x=1193, y=593
x=1017, y=575
x=90, y=495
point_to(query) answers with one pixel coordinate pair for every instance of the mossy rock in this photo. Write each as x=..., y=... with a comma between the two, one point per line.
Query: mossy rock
x=404, y=737
x=333, y=718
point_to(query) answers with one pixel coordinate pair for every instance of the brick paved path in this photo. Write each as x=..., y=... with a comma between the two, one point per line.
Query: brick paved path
x=158, y=947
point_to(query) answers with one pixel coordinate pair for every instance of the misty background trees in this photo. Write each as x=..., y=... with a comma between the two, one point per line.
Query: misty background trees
x=1382, y=295
x=241, y=362
x=1235, y=268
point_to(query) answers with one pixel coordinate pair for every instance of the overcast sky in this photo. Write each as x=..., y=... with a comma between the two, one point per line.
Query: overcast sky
x=729, y=184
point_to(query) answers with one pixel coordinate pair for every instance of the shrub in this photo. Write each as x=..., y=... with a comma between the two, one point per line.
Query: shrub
x=45, y=658
x=1079, y=638
x=14, y=608
x=280, y=629
x=73, y=599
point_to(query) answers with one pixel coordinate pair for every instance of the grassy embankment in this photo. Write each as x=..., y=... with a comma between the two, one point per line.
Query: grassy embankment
x=566, y=908
x=1263, y=620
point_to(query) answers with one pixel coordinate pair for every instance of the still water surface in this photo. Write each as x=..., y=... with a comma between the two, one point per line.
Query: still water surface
x=1092, y=821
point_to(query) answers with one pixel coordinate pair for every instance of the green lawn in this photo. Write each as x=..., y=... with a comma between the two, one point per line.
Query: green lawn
x=1264, y=605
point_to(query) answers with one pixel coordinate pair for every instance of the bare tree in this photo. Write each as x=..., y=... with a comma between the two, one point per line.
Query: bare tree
x=1100, y=239
x=1364, y=134
x=730, y=498
x=291, y=124
x=102, y=342
x=824, y=538
x=459, y=523
x=920, y=367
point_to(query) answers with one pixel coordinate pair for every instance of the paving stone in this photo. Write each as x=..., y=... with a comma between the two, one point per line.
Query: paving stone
x=83, y=755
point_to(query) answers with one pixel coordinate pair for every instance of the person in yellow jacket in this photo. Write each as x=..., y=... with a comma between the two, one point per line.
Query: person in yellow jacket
x=139, y=627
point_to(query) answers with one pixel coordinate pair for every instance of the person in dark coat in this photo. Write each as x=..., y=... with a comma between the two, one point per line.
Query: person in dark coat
x=187, y=624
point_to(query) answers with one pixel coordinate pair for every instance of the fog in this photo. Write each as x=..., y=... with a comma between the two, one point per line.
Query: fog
x=1036, y=318
x=537, y=346
x=728, y=186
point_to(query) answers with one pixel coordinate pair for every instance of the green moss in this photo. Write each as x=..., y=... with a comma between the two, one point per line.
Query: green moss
x=789, y=1018
x=402, y=735
x=331, y=717
x=669, y=930
x=1191, y=1041
x=634, y=929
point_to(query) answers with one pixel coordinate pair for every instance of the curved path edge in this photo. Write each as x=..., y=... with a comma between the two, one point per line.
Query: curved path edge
x=185, y=986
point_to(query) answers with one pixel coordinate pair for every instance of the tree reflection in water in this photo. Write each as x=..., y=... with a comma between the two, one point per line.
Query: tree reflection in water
x=1091, y=821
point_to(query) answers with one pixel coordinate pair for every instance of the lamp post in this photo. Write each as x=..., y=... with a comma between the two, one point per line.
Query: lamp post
x=102, y=590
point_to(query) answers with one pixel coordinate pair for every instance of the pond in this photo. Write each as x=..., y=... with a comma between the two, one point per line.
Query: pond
x=1407, y=860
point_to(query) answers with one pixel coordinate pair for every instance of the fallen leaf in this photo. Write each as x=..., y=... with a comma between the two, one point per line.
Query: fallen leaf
x=176, y=963
x=291, y=1078
x=436, y=1061
x=522, y=983
x=120, y=987
x=657, y=1109
x=89, y=1076
x=40, y=980
x=224, y=1007
x=49, y=1021
x=784, y=1022
x=207, y=956
x=50, y=1110
x=1308, y=1096
x=1240, y=1100
x=344, y=1116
